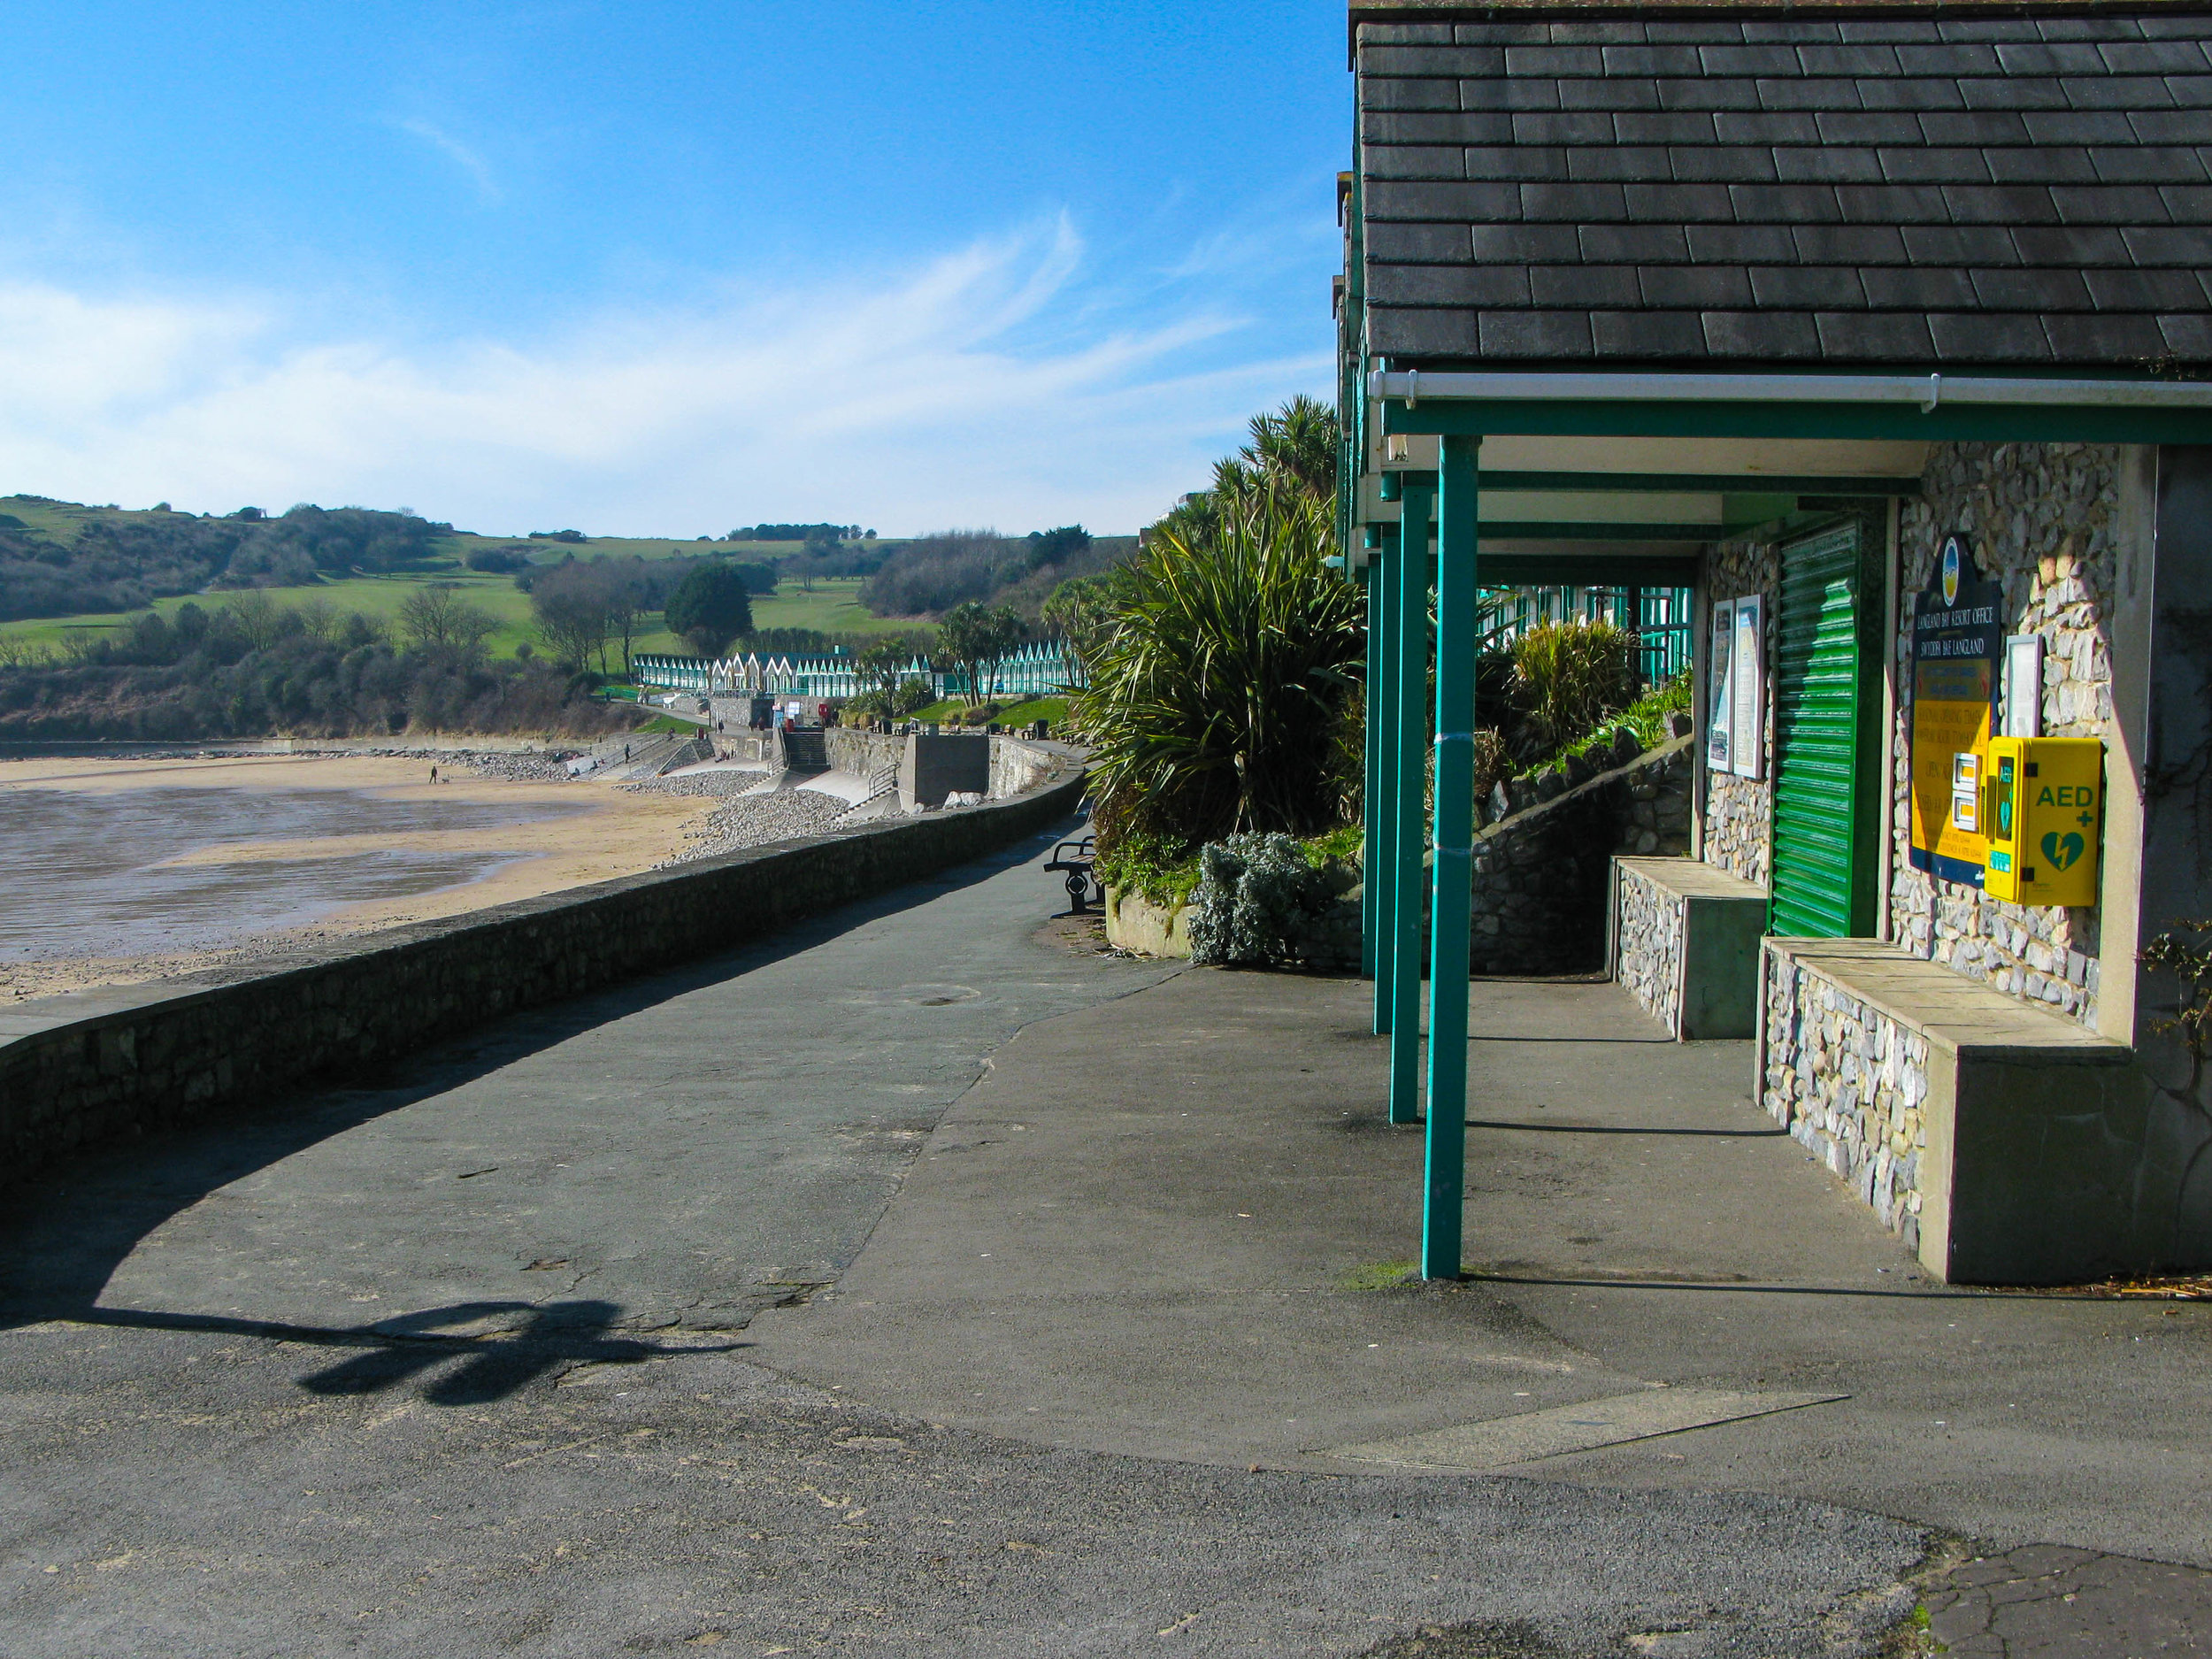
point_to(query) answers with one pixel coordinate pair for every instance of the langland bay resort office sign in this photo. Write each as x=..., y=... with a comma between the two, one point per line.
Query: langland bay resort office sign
x=1957, y=640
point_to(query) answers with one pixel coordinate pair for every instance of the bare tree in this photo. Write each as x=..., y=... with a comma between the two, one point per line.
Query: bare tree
x=436, y=615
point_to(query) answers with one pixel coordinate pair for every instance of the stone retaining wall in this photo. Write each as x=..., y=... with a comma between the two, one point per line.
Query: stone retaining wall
x=1848, y=1081
x=95, y=1066
x=1541, y=876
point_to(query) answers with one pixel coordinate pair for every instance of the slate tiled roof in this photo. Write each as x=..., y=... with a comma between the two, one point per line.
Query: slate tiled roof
x=1701, y=191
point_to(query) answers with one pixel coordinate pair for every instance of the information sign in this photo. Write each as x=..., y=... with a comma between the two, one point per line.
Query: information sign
x=1957, y=642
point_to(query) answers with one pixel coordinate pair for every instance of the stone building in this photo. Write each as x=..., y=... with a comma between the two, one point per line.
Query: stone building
x=1886, y=329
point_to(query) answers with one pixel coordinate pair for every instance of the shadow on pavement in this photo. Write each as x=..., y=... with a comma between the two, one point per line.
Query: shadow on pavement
x=62, y=1240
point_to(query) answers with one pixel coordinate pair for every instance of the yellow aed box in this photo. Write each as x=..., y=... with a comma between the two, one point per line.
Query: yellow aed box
x=2042, y=810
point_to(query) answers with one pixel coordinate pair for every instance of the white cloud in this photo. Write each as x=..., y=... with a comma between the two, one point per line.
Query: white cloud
x=908, y=403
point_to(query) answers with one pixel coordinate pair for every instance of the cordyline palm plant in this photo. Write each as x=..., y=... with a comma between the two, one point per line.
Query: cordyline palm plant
x=1568, y=676
x=1215, y=703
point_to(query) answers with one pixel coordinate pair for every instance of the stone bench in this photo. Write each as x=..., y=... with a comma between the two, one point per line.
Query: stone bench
x=2003, y=1144
x=1683, y=938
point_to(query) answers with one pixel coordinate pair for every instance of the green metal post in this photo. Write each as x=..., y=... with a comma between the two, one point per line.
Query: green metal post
x=1371, y=799
x=1457, y=600
x=1380, y=912
x=1410, y=893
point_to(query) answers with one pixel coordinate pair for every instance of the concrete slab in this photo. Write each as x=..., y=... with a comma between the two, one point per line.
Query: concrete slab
x=1559, y=1430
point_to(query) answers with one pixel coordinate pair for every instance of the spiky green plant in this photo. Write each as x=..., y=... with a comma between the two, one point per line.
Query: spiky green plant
x=1213, y=706
x=1568, y=676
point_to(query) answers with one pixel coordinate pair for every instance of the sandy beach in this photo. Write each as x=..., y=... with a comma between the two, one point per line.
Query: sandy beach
x=601, y=831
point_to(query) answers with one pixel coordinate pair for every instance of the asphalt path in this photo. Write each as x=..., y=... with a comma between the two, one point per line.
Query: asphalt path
x=462, y=1361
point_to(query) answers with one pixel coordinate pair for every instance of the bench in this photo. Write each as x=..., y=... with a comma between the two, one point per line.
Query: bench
x=1683, y=937
x=2003, y=1144
x=1077, y=860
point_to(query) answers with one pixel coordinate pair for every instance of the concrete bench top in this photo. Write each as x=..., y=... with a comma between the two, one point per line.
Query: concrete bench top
x=1692, y=878
x=1946, y=1007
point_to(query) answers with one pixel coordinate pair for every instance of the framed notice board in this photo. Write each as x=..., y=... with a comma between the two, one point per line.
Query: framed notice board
x=1957, y=647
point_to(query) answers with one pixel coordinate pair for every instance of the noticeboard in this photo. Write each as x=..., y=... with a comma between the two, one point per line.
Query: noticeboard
x=1747, y=689
x=1957, y=646
x=1720, y=703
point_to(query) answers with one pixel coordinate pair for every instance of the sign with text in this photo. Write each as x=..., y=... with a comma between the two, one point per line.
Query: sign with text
x=1720, y=706
x=1748, y=687
x=1957, y=644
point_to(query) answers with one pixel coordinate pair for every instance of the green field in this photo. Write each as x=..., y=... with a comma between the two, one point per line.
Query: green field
x=832, y=607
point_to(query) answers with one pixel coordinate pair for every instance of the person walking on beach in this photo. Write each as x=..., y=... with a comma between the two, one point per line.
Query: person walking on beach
x=433, y=774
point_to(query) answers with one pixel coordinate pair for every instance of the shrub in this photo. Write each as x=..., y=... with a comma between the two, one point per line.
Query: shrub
x=1259, y=898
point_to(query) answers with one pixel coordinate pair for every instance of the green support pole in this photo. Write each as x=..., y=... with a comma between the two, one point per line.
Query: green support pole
x=1380, y=912
x=1371, y=799
x=1415, y=493
x=1456, y=599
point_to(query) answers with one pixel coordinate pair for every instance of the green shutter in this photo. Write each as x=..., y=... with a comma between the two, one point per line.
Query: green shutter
x=1826, y=756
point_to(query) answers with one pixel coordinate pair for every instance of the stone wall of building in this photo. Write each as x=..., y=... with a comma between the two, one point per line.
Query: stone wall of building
x=94, y=1066
x=1652, y=926
x=2041, y=521
x=1739, y=810
x=1847, y=1082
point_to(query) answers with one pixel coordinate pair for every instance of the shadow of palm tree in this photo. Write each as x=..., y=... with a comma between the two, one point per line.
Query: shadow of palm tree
x=554, y=1336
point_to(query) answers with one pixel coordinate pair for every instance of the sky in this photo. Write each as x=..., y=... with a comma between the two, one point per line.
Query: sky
x=662, y=269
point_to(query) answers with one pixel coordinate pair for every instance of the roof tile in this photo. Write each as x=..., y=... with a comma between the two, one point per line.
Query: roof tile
x=1597, y=32
x=1974, y=126
x=1428, y=330
x=2077, y=245
x=2078, y=127
x=1446, y=61
x=1986, y=28
x=1741, y=244
x=1807, y=287
x=1895, y=31
x=1412, y=161
x=1694, y=288
x=1557, y=286
x=1815, y=60
x=1407, y=94
x=1619, y=92
x=2015, y=92
x=1999, y=203
x=1635, y=244
x=1653, y=60
x=1668, y=335
x=1742, y=164
x=1959, y=244
x=2172, y=126
x=1947, y=165
x=2154, y=57
x=1535, y=333
x=1515, y=161
x=2189, y=203
x=2021, y=290
x=1894, y=204
x=1911, y=94
x=1806, y=94
x=2056, y=59
x=1389, y=242
x=1903, y=287
x=1875, y=126
x=1500, y=33
x=1827, y=163
x=1949, y=59
x=1638, y=163
x=1554, y=60
x=1849, y=245
x=2047, y=163
x=1790, y=31
x=2188, y=335
x=2145, y=290
x=1679, y=204
x=1575, y=203
x=1765, y=127
x=1986, y=337
x=1749, y=60
x=2110, y=204
x=1470, y=285
x=2117, y=92
x=2190, y=92
x=1761, y=334
x=1676, y=126
x=1461, y=203
x=1874, y=336
x=1524, y=244
x=1434, y=126
x=1563, y=126
x=1709, y=94
x=1700, y=31
x=2110, y=337
x=1784, y=203
x=2089, y=29
x=1502, y=93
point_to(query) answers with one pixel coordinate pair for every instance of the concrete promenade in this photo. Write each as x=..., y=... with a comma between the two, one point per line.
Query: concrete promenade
x=926, y=1283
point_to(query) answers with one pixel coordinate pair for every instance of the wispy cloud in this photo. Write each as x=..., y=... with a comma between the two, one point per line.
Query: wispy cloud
x=461, y=155
x=907, y=401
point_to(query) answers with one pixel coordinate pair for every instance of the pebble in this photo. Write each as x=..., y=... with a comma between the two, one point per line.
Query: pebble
x=756, y=821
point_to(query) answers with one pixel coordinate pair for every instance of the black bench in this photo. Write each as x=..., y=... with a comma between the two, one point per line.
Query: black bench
x=1077, y=861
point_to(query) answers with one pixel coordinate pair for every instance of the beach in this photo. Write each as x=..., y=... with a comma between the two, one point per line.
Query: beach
x=124, y=871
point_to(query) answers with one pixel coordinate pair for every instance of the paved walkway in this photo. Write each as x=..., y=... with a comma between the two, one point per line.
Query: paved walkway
x=605, y=1332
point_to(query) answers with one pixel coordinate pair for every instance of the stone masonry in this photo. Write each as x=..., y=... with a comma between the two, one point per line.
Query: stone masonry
x=2040, y=519
x=1652, y=928
x=1737, y=811
x=1848, y=1081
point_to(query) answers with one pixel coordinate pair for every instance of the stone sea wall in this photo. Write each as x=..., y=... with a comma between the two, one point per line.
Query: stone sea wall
x=95, y=1066
x=1849, y=1082
x=2041, y=521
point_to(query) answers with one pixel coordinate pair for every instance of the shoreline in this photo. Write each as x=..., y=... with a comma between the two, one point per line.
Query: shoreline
x=621, y=833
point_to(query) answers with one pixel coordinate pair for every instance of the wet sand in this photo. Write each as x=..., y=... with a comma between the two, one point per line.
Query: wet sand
x=574, y=833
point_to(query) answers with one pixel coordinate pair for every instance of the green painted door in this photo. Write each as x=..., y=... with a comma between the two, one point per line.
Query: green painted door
x=1827, y=747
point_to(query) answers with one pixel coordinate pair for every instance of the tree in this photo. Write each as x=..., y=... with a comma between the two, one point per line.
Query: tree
x=571, y=616
x=710, y=607
x=437, y=617
x=1082, y=609
x=976, y=638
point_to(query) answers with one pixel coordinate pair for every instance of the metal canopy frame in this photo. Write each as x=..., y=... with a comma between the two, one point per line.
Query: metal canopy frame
x=1464, y=409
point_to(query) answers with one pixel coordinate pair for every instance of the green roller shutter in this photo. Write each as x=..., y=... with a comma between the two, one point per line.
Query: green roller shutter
x=1827, y=766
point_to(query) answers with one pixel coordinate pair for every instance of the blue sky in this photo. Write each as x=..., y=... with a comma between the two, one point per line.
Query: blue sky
x=660, y=268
